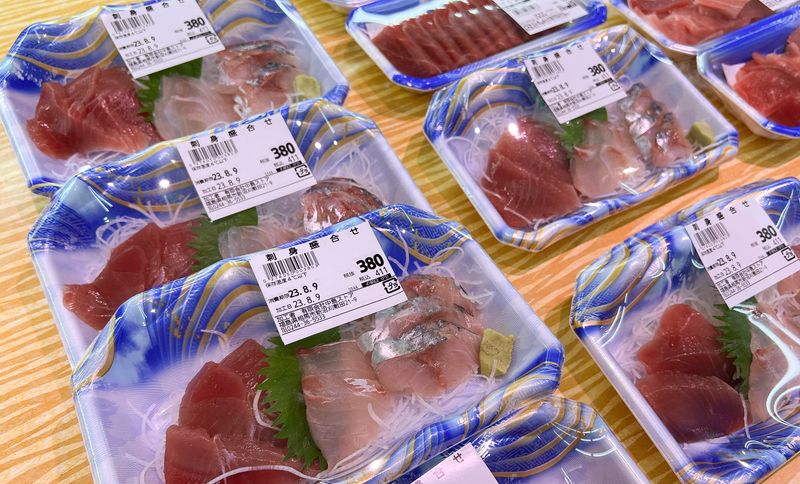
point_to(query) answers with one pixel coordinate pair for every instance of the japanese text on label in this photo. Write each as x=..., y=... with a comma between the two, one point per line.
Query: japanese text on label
x=574, y=81
x=164, y=34
x=536, y=16
x=742, y=250
x=245, y=166
x=464, y=466
x=327, y=282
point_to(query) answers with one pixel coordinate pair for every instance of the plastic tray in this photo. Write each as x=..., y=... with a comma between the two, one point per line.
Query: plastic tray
x=159, y=339
x=552, y=439
x=628, y=285
x=765, y=38
x=64, y=48
x=366, y=22
x=465, y=117
x=104, y=200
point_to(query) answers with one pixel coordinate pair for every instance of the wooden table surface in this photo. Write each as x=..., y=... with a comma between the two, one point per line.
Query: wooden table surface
x=39, y=434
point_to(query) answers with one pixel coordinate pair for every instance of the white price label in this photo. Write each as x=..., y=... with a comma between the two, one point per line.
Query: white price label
x=776, y=5
x=574, y=81
x=246, y=166
x=326, y=282
x=464, y=466
x=539, y=15
x=742, y=250
x=163, y=34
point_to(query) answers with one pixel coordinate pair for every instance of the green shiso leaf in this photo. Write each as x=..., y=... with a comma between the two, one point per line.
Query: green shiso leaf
x=734, y=334
x=206, y=236
x=573, y=132
x=150, y=88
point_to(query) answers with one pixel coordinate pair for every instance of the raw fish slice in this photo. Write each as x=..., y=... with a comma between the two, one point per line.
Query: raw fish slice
x=245, y=63
x=693, y=407
x=693, y=22
x=430, y=359
x=771, y=84
x=794, y=39
x=151, y=257
x=417, y=32
x=404, y=53
x=214, y=381
x=333, y=200
x=273, y=89
x=247, y=239
x=606, y=162
x=190, y=456
x=236, y=452
x=728, y=8
x=226, y=416
x=442, y=288
x=187, y=105
x=341, y=393
x=686, y=342
x=504, y=25
x=97, y=111
x=481, y=14
x=654, y=129
x=447, y=45
x=445, y=21
x=246, y=361
x=463, y=20
x=527, y=176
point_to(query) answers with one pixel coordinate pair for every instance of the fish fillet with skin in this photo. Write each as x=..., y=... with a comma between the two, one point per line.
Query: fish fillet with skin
x=340, y=390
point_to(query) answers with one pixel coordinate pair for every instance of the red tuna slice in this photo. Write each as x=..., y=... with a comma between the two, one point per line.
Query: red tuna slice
x=727, y=8
x=693, y=24
x=527, y=177
x=419, y=33
x=447, y=45
x=236, y=452
x=190, y=456
x=771, y=91
x=217, y=400
x=686, y=342
x=657, y=6
x=482, y=15
x=693, y=407
x=437, y=369
x=448, y=24
x=463, y=20
x=341, y=393
x=151, y=257
x=246, y=361
x=513, y=32
x=333, y=200
x=97, y=111
x=794, y=38
x=404, y=53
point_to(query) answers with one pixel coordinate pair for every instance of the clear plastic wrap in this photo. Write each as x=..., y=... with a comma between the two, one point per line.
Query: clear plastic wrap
x=426, y=45
x=717, y=389
x=552, y=439
x=149, y=370
x=757, y=75
x=126, y=226
x=685, y=27
x=534, y=181
x=68, y=102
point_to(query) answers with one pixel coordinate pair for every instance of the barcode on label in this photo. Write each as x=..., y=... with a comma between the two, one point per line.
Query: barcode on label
x=547, y=69
x=291, y=265
x=132, y=24
x=219, y=149
x=711, y=235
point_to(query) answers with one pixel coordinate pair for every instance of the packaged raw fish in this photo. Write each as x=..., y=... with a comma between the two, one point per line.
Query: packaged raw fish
x=535, y=181
x=714, y=382
x=191, y=382
x=124, y=227
x=68, y=101
x=427, y=45
x=550, y=439
x=686, y=26
x=757, y=75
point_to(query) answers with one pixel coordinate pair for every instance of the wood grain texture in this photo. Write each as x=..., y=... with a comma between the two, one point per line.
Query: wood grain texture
x=39, y=430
